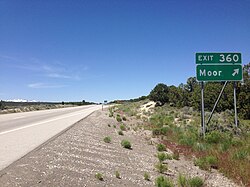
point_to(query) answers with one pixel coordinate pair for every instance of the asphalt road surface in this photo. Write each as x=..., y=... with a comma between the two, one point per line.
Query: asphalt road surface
x=22, y=132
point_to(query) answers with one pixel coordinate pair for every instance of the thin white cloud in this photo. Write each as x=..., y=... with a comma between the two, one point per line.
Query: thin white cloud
x=45, y=85
x=56, y=75
x=55, y=69
x=8, y=57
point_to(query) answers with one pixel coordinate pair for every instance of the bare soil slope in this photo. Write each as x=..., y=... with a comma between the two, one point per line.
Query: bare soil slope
x=73, y=159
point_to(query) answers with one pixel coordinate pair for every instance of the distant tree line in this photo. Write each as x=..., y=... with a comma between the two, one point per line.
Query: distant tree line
x=189, y=94
x=8, y=104
x=78, y=103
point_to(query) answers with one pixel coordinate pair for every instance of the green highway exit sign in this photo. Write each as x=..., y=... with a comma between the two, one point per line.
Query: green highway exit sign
x=219, y=72
x=218, y=58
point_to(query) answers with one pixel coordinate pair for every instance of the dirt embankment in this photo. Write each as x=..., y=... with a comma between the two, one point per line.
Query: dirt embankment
x=74, y=157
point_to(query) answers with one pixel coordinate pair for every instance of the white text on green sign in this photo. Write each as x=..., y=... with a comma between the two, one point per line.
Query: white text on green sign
x=213, y=58
x=219, y=72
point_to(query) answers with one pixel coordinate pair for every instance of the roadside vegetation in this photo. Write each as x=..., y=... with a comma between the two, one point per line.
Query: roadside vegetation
x=99, y=176
x=175, y=121
x=224, y=148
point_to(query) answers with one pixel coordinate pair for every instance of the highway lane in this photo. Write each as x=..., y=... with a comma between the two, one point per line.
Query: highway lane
x=22, y=132
x=15, y=120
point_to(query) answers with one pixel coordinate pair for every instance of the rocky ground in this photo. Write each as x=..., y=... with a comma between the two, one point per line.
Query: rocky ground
x=74, y=157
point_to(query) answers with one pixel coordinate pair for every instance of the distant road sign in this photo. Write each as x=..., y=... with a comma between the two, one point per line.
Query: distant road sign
x=213, y=58
x=231, y=72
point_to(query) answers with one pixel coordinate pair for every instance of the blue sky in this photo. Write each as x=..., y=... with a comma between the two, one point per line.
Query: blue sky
x=62, y=50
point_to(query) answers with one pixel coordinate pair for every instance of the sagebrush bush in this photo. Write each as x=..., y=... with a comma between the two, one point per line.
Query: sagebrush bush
x=162, y=156
x=241, y=154
x=182, y=181
x=146, y=176
x=236, y=142
x=161, y=168
x=195, y=182
x=99, y=176
x=117, y=175
x=188, y=139
x=207, y=162
x=163, y=182
x=118, y=118
x=212, y=161
x=213, y=137
x=107, y=139
x=120, y=133
x=202, y=163
x=161, y=147
x=126, y=144
x=122, y=127
x=201, y=146
x=160, y=131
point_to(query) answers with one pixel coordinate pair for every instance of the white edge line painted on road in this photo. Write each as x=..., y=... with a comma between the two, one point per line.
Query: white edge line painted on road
x=39, y=123
x=19, y=117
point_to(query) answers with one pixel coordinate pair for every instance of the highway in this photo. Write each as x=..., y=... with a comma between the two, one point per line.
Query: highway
x=22, y=132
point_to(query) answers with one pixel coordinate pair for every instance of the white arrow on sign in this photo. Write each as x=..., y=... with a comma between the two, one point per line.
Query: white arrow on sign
x=236, y=71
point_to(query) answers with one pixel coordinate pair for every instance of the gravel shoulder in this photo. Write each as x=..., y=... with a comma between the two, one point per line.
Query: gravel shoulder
x=74, y=157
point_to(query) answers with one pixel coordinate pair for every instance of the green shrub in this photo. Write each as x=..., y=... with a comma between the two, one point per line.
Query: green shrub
x=126, y=144
x=107, y=139
x=206, y=163
x=161, y=147
x=162, y=156
x=118, y=118
x=224, y=146
x=124, y=118
x=202, y=163
x=161, y=168
x=146, y=176
x=237, y=142
x=195, y=182
x=120, y=133
x=169, y=157
x=212, y=161
x=164, y=130
x=117, y=175
x=213, y=137
x=114, y=126
x=122, y=127
x=201, y=146
x=163, y=182
x=182, y=181
x=241, y=154
x=99, y=176
x=188, y=140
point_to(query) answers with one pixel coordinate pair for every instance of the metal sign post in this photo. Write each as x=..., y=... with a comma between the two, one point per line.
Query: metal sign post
x=235, y=107
x=203, y=128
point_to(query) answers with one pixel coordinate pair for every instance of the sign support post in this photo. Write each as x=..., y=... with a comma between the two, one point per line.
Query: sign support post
x=235, y=106
x=202, y=110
